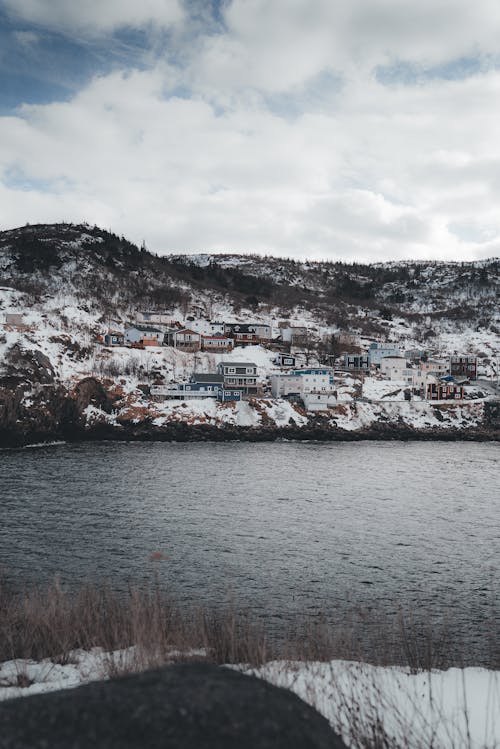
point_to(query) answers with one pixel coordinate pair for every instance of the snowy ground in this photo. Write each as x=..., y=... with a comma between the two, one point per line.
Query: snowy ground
x=455, y=708
x=347, y=415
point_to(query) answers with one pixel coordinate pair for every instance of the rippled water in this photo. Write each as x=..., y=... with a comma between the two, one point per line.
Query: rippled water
x=281, y=528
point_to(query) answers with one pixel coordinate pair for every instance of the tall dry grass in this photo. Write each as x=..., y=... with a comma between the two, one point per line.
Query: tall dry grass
x=51, y=621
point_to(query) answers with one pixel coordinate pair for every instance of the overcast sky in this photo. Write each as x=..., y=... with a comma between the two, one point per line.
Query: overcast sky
x=343, y=129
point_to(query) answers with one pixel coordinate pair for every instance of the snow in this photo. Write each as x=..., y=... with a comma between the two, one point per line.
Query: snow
x=454, y=708
x=376, y=390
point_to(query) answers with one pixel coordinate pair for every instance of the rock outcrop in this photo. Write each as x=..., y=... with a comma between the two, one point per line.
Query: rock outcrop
x=185, y=706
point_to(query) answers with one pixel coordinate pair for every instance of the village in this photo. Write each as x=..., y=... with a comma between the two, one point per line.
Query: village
x=303, y=371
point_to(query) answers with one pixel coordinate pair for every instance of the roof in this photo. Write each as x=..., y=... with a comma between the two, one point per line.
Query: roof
x=241, y=328
x=145, y=328
x=195, y=377
x=219, y=336
x=187, y=330
x=238, y=364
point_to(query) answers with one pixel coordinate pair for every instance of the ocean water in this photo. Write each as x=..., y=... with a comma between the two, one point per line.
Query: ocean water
x=280, y=529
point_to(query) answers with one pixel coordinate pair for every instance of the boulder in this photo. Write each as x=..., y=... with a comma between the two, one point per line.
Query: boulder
x=188, y=706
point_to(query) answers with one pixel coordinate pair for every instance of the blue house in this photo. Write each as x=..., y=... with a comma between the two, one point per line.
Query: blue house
x=210, y=382
x=226, y=395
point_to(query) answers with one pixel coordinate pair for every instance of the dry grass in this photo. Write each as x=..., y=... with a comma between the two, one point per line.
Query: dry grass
x=51, y=621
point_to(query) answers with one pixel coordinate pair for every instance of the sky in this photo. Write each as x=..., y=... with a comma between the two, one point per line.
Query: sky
x=364, y=130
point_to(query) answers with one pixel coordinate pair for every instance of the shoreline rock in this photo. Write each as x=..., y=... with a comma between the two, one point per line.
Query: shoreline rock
x=31, y=414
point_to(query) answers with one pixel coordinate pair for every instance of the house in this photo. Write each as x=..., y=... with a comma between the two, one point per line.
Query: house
x=463, y=366
x=435, y=366
x=315, y=379
x=200, y=386
x=155, y=317
x=377, y=351
x=183, y=338
x=211, y=381
x=296, y=335
x=301, y=381
x=226, y=395
x=284, y=360
x=263, y=331
x=143, y=335
x=286, y=384
x=243, y=335
x=14, y=320
x=318, y=401
x=397, y=368
x=444, y=391
x=206, y=327
x=356, y=363
x=421, y=379
x=216, y=342
x=239, y=375
x=182, y=391
x=414, y=354
x=114, y=338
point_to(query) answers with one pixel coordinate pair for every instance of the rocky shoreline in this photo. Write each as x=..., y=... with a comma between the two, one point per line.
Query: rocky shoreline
x=53, y=413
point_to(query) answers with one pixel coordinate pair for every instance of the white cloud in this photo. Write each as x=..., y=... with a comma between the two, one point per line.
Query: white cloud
x=95, y=15
x=375, y=172
x=275, y=45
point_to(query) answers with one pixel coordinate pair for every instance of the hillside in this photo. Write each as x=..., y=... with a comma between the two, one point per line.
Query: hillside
x=69, y=284
x=109, y=278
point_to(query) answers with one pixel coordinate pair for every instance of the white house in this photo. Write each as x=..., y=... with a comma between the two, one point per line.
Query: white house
x=378, y=351
x=307, y=380
x=205, y=327
x=155, y=317
x=143, y=334
x=422, y=379
x=397, y=368
x=318, y=401
x=286, y=384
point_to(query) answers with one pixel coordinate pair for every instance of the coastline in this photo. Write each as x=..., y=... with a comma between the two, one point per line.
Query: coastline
x=190, y=433
x=94, y=410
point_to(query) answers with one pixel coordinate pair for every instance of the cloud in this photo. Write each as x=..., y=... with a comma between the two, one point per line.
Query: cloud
x=95, y=15
x=276, y=45
x=271, y=131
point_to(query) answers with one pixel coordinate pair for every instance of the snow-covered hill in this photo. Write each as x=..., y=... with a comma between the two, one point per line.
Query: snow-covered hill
x=63, y=285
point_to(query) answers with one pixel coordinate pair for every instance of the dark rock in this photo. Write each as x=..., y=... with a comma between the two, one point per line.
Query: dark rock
x=31, y=364
x=90, y=392
x=492, y=412
x=185, y=706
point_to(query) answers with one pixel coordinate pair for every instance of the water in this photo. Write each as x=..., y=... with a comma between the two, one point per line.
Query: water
x=280, y=528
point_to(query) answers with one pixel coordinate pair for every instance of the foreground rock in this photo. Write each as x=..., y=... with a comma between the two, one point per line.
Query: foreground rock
x=188, y=706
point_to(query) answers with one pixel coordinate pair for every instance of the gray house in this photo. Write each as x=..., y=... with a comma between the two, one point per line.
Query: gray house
x=241, y=375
